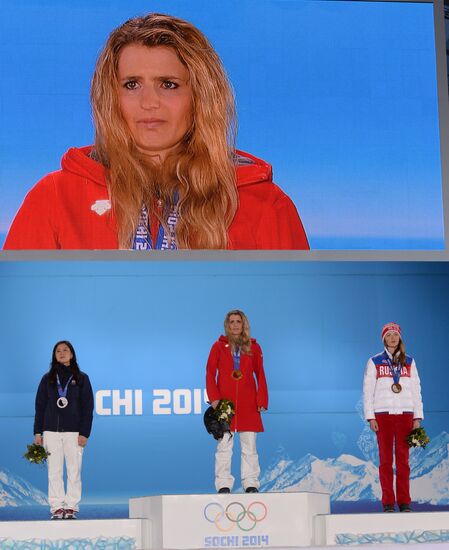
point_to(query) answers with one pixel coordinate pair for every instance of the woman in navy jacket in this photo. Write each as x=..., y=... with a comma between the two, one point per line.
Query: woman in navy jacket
x=62, y=424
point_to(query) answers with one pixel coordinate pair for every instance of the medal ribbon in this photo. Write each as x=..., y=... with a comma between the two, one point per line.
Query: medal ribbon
x=236, y=359
x=142, y=238
x=395, y=371
x=62, y=392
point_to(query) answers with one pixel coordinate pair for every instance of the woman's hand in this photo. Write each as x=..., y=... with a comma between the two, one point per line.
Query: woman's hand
x=416, y=423
x=38, y=439
x=374, y=425
x=215, y=403
x=82, y=441
x=261, y=409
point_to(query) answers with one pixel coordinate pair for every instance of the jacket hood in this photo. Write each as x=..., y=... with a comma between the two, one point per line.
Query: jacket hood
x=250, y=169
x=78, y=161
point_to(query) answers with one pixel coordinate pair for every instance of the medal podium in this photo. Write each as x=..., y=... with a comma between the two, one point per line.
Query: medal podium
x=257, y=520
x=230, y=520
x=278, y=520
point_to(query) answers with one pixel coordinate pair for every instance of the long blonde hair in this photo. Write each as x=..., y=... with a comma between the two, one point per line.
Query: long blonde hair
x=243, y=341
x=200, y=170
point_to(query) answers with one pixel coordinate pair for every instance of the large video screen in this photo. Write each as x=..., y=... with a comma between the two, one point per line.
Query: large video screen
x=339, y=97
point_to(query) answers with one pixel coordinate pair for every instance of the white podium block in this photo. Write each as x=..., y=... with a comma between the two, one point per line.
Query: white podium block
x=344, y=529
x=230, y=521
x=100, y=533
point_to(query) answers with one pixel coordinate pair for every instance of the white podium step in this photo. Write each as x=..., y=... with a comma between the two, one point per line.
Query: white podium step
x=397, y=528
x=120, y=534
x=230, y=521
x=282, y=520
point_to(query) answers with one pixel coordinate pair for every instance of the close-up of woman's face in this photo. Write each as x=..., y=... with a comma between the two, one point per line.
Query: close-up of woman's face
x=235, y=325
x=63, y=354
x=155, y=97
x=392, y=339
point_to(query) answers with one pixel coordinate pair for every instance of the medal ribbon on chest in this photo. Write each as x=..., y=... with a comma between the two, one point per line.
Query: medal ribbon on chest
x=395, y=371
x=236, y=373
x=142, y=238
x=62, y=400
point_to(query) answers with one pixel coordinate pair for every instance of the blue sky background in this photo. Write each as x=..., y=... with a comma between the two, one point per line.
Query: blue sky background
x=150, y=325
x=339, y=96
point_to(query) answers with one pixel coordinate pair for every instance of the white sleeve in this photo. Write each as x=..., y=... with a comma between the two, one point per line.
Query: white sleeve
x=369, y=386
x=416, y=392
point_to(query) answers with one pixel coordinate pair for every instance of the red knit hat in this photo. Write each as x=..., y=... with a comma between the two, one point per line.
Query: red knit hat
x=391, y=327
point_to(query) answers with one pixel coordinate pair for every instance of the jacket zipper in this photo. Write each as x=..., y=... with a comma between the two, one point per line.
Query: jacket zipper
x=237, y=397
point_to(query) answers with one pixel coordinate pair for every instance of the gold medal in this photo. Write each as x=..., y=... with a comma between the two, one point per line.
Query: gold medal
x=237, y=374
x=396, y=388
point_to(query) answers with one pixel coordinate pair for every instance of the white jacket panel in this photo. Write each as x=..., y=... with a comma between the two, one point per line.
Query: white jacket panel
x=378, y=396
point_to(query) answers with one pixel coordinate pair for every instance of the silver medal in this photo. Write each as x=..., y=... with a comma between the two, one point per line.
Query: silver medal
x=62, y=402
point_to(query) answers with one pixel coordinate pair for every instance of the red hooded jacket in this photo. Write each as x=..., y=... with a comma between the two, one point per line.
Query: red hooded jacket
x=244, y=393
x=70, y=209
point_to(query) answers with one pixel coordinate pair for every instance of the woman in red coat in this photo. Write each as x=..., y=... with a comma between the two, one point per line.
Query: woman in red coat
x=235, y=372
x=163, y=172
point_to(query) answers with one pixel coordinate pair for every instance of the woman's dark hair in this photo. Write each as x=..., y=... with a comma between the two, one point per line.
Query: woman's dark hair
x=74, y=368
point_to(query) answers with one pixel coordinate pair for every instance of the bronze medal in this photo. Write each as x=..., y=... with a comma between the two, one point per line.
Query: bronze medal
x=396, y=388
x=237, y=374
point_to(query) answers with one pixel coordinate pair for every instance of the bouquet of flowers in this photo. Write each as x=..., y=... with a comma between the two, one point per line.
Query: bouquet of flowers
x=418, y=438
x=218, y=420
x=36, y=454
x=225, y=410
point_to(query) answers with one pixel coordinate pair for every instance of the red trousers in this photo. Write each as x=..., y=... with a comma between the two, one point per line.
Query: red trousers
x=392, y=434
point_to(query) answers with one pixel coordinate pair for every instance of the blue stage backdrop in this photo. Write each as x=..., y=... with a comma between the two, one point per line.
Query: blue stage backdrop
x=340, y=96
x=143, y=331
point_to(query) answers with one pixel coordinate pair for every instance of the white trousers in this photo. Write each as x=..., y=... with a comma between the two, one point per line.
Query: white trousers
x=63, y=445
x=249, y=462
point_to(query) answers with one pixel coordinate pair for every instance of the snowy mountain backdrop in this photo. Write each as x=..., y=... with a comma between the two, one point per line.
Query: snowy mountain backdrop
x=16, y=491
x=348, y=478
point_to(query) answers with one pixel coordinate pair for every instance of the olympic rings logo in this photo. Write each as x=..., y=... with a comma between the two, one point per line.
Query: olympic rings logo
x=235, y=514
